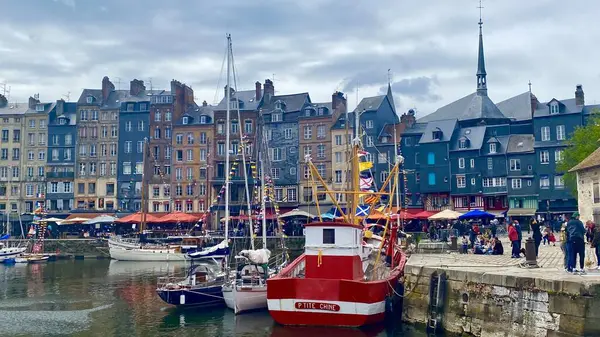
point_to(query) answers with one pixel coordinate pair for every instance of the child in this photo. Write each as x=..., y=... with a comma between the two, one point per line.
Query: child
x=546, y=238
x=551, y=239
x=465, y=244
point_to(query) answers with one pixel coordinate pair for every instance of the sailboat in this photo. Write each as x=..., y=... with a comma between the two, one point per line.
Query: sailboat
x=203, y=284
x=9, y=253
x=347, y=276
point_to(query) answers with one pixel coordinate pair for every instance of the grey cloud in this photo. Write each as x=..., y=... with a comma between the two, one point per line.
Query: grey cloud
x=420, y=89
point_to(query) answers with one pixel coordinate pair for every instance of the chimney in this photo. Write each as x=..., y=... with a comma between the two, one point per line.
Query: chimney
x=258, y=89
x=136, y=87
x=579, y=96
x=204, y=103
x=269, y=90
x=107, y=88
x=534, y=104
x=60, y=107
x=407, y=120
x=225, y=91
x=336, y=99
x=33, y=102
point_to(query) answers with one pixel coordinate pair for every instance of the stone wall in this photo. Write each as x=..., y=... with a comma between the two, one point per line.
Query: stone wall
x=585, y=196
x=486, y=305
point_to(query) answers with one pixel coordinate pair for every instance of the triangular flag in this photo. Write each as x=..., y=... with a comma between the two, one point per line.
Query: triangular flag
x=365, y=165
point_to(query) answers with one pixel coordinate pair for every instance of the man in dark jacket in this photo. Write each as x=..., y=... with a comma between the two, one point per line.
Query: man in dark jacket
x=576, y=237
x=534, y=227
x=520, y=235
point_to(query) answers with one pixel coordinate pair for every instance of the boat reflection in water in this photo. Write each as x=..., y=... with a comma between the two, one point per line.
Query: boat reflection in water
x=301, y=331
x=133, y=268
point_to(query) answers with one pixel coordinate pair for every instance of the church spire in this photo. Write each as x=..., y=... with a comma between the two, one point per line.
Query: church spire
x=389, y=94
x=481, y=74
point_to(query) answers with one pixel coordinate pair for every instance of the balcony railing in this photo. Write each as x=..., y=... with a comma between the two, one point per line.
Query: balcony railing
x=498, y=189
x=60, y=175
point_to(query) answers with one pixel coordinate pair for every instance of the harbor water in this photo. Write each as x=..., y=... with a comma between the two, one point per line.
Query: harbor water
x=117, y=298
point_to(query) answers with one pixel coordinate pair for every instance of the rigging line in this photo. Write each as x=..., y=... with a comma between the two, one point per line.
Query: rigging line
x=215, y=100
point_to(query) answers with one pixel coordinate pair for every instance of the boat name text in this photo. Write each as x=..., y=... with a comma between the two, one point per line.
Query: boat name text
x=317, y=306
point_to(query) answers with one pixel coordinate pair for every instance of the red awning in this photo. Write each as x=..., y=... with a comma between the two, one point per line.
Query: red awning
x=178, y=217
x=137, y=218
x=425, y=215
x=403, y=215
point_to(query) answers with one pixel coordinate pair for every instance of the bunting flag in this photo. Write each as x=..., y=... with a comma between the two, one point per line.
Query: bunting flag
x=362, y=210
x=366, y=183
x=371, y=199
x=365, y=165
x=380, y=208
x=362, y=153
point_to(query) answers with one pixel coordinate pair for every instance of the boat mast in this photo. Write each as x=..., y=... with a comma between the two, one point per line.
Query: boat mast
x=397, y=175
x=227, y=121
x=142, y=208
x=262, y=201
x=355, y=169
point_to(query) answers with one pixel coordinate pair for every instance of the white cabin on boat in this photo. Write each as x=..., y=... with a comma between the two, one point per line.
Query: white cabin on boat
x=334, y=250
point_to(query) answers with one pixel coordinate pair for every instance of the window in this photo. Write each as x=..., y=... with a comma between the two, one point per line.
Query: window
x=203, y=154
x=291, y=195
x=277, y=117
x=126, y=168
x=560, y=132
x=140, y=146
x=190, y=138
x=383, y=175
x=490, y=164
x=596, y=192
x=516, y=184
x=544, y=182
x=431, y=179
x=417, y=158
x=321, y=131
x=113, y=150
x=554, y=108
x=220, y=128
x=408, y=141
x=461, y=182
x=113, y=131
x=545, y=133
x=382, y=158
x=140, y=125
x=473, y=181
x=544, y=157
x=220, y=149
x=559, y=182
x=277, y=154
x=558, y=155
x=431, y=158
x=127, y=147
x=179, y=138
x=168, y=116
x=338, y=157
x=321, y=151
x=156, y=133
x=139, y=167
x=179, y=155
x=275, y=173
x=462, y=144
x=370, y=141
x=436, y=135
x=528, y=182
x=248, y=126
x=82, y=169
x=234, y=148
x=338, y=176
x=328, y=236
x=472, y=163
x=157, y=116
x=461, y=163
x=338, y=140
x=278, y=194
x=190, y=155
x=30, y=155
x=287, y=133
x=128, y=126
x=515, y=164
x=307, y=132
x=307, y=150
x=492, y=147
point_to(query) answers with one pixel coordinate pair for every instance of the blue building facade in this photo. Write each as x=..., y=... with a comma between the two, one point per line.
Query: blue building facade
x=60, y=165
x=134, y=120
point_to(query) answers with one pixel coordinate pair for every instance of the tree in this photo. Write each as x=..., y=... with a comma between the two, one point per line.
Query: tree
x=3, y=101
x=582, y=143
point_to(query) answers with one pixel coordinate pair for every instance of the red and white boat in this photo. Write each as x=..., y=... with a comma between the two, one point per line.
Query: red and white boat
x=347, y=276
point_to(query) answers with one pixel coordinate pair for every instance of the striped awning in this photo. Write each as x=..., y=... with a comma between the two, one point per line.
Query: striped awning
x=521, y=212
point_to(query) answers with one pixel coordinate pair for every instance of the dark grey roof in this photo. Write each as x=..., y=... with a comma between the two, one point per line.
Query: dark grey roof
x=370, y=103
x=195, y=111
x=570, y=107
x=503, y=140
x=517, y=107
x=96, y=93
x=520, y=144
x=47, y=108
x=14, y=109
x=470, y=107
x=328, y=105
x=475, y=136
x=588, y=109
x=446, y=126
x=416, y=129
x=144, y=96
x=293, y=102
x=248, y=97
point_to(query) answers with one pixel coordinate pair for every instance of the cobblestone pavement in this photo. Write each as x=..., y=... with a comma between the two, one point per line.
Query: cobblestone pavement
x=550, y=261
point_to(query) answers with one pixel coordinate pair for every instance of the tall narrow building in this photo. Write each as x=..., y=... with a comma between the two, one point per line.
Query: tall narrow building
x=34, y=153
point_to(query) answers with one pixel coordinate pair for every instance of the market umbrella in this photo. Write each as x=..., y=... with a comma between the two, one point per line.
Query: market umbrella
x=178, y=217
x=72, y=221
x=447, y=214
x=403, y=215
x=101, y=219
x=424, y=215
x=476, y=214
x=136, y=218
x=297, y=213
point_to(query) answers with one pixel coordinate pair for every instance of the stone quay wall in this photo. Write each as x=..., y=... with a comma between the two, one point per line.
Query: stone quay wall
x=503, y=304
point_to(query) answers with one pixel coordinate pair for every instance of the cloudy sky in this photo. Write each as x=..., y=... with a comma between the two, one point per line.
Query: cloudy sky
x=53, y=47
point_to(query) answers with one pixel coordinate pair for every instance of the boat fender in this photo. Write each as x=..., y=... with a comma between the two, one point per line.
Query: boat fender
x=320, y=258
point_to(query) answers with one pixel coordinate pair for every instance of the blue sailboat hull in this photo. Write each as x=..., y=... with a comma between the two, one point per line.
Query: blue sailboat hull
x=200, y=297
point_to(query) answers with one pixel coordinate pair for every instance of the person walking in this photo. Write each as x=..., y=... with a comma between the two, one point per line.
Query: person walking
x=576, y=239
x=520, y=235
x=513, y=236
x=534, y=227
x=564, y=246
x=596, y=245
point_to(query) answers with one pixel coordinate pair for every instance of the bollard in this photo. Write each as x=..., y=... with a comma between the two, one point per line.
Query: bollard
x=530, y=258
x=453, y=243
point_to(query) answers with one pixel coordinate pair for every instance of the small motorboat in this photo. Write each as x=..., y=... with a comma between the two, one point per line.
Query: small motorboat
x=32, y=258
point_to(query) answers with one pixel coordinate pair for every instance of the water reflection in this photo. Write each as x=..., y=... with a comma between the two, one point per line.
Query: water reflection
x=115, y=298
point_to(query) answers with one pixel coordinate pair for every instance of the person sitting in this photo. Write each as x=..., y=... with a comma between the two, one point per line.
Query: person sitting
x=497, y=249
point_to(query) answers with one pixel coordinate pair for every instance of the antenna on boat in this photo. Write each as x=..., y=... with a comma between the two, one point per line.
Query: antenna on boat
x=227, y=131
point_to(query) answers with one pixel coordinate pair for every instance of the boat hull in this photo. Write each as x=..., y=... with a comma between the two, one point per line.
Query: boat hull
x=11, y=253
x=242, y=299
x=201, y=297
x=138, y=254
x=294, y=300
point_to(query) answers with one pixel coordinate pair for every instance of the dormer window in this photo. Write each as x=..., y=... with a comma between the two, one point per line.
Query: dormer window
x=89, y=99
x=278, y=105
x=39, y=108
x=186, y=120
x=321, y=111
x=554, y=108
x=62, y=121
x=307, y=112
x=202, y=119
x=436, y=134
x=384, y=139
x=233, y=104
x=463, y=144
x=492, y=147
x=277, y=117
